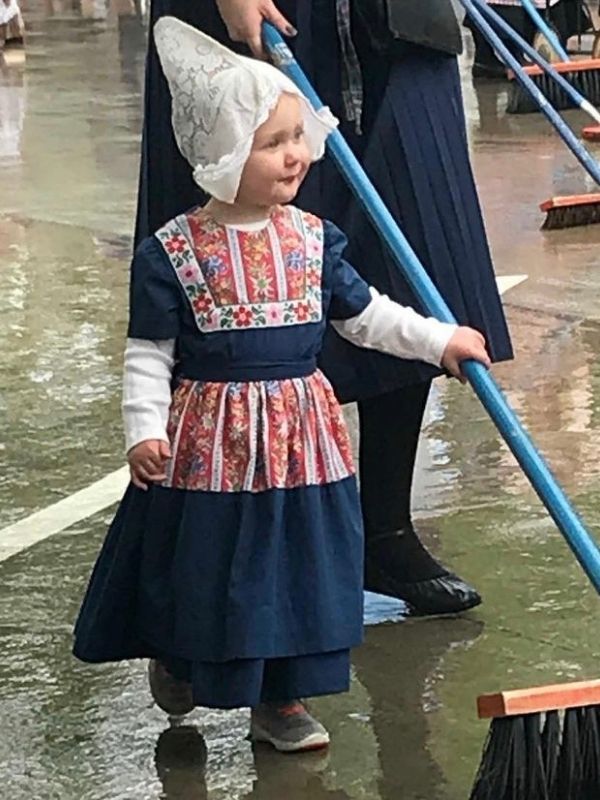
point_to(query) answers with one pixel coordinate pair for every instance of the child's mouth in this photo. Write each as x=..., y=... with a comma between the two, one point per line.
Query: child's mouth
x=289, y=181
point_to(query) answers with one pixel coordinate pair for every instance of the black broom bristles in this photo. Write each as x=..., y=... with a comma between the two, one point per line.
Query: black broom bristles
x=587, y=82
x=529, y=757
x=565, y=216
x=589, y=731
x=551, y=748
x=512, y=766
x=569, y=774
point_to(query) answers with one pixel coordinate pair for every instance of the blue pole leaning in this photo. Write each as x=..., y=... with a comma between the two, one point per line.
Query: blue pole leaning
x=533, y=465
x=575, y=95
x=589, y=163
x=543, y=27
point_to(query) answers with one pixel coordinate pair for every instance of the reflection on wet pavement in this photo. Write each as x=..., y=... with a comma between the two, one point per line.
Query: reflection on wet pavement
x=70, y=117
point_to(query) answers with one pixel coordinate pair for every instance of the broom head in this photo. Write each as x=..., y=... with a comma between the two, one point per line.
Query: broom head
x=571, y=211
x=540, y=698
x=583, y=74
x=591, y=133
x=543, y=744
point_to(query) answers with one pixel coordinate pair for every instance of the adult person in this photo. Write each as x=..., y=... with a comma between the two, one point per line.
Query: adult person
x=11, y=24
x=567, y=17
x=401, y=111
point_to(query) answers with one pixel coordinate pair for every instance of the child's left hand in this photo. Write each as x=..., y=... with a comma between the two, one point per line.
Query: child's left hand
x=465, y=343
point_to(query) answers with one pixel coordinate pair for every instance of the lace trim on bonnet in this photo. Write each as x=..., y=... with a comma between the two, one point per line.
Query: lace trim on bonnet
x=219, y=99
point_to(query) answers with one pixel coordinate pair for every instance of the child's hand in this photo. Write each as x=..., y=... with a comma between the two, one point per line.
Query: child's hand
x=465, y=343
x=147, y=462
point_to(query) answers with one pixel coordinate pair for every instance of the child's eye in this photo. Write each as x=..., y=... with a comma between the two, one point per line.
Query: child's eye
x=272, y=144
x=298, y=134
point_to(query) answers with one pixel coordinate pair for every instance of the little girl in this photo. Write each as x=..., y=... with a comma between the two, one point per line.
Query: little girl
x=234, y=561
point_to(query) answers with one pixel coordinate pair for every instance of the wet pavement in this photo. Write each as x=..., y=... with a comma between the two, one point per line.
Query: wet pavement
x=70, y=118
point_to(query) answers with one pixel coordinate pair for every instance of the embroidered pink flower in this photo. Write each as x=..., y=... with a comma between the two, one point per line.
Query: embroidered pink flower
x=176, y=244
x=314, y=248
x=302, y=312
x=274, y=314
x=278, y=288
x=201, y=304
x=242, y=316
x=313, y=276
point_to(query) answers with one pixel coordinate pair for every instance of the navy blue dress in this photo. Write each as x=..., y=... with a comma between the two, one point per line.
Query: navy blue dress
x=413, y=146
x=242, y=571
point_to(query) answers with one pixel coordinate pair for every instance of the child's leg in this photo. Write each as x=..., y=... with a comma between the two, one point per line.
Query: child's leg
x=272, y=688
x=288, y=727
x=170, y=688
x=178, y=685
x=288, y=679
x=281, y=719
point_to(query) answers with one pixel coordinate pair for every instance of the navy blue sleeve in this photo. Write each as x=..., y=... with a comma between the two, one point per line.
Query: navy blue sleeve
x=154, y=294
x=345, y=293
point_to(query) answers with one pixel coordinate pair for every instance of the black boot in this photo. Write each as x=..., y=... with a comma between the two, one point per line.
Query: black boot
x=396, y=562
x=398, y=565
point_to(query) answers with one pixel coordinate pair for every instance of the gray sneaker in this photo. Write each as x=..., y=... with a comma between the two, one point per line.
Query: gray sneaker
x=288, y=727
x=172, y=695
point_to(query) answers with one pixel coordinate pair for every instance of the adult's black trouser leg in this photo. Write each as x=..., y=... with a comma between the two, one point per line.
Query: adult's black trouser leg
x=390, y=425
x=396, y=562
x=486, y=63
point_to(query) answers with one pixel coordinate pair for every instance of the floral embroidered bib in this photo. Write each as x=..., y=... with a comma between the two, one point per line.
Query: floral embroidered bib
x=237, y=279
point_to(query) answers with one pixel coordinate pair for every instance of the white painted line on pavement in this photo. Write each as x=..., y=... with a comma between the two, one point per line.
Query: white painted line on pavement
x=59, y=516
x=103, y=493
x=506, y=282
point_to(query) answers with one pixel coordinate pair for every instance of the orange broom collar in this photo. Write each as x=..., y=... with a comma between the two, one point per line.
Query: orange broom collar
x=540, y=698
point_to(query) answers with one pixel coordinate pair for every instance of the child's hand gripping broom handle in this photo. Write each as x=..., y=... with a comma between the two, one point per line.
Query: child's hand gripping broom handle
x=579, y=540
x=581, y=154
x=501, y=24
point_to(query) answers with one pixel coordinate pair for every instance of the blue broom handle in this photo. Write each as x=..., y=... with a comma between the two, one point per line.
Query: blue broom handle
x=533, y=54
x=542, y=26
x=579, y=540
x=581, y=154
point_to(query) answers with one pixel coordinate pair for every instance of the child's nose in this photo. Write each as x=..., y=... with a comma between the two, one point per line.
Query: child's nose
x=291, y=156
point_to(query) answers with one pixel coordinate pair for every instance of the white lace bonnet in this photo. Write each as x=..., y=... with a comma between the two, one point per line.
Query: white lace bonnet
x=219, y=99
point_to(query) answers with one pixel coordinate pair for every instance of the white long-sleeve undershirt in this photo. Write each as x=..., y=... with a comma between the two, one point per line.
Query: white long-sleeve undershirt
x=383, y=325
x=387, y=326
x=147, y=389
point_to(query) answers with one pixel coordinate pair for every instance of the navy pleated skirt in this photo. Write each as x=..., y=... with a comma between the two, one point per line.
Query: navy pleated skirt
x=232, y=591
x=413, y=146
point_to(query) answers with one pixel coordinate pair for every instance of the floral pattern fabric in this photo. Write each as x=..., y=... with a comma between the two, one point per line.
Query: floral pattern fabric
x=238, y=279
x=255, y=436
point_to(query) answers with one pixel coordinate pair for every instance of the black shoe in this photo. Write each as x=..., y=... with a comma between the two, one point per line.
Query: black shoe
x=398, y=565
x=171, y=695
x=491, y=72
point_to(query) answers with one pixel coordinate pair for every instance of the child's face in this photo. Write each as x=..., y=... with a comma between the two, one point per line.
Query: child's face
x=279, y=158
